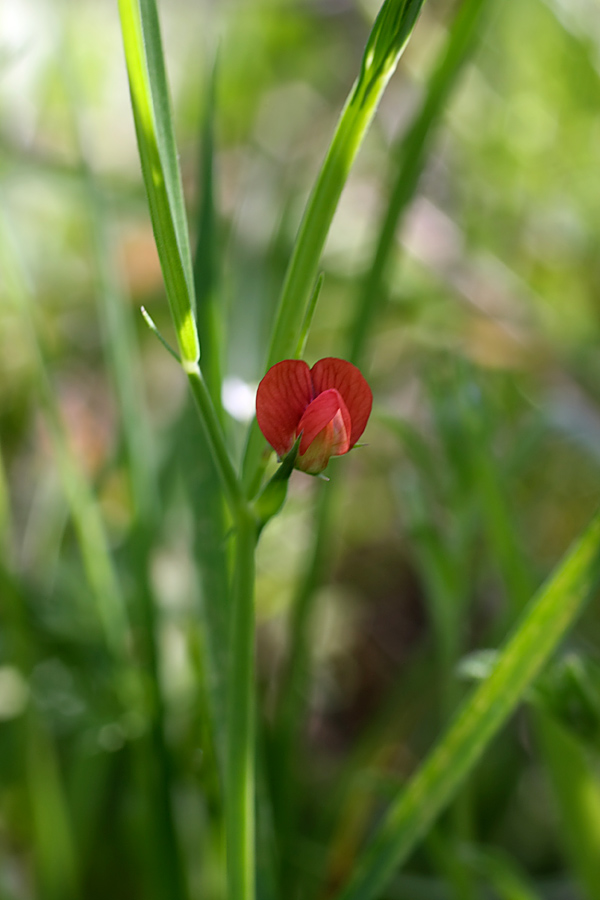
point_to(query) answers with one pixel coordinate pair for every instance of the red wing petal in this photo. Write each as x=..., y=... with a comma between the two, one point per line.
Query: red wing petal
x=282, y=396
x=318, y=415
x=347, y=379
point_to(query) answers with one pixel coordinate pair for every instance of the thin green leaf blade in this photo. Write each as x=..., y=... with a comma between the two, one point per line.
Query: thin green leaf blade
x=577, y=793
x=160, y=168
x=206, y=265
x=389, y=36
x=548, y=617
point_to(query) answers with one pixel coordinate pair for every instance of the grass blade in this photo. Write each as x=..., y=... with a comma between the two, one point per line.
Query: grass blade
x=545, y=622
x=55, y=853
x=389, y=36
x=158, y=154
x=577, y=793
x=210, y=325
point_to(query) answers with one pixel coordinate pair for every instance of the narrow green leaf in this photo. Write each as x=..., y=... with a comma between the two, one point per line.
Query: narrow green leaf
x=54, y=847
x=574, y=779
x=389, y=36
x=154, y=329
x=545, y=622
x=210, y=323
x=119, y=338
x=156, y=142
x=204, y=496
x=158, y=154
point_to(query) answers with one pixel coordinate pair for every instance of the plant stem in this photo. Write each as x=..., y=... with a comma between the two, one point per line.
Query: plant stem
x=239, y=772
x=389, y=36
x=214, y=435
x=239, y=762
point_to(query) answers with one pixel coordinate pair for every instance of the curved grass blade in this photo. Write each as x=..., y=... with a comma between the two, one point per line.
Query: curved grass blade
x=545, y=622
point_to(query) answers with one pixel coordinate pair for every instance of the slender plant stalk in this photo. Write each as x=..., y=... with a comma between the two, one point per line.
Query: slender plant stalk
x=151, y=109
x=545, y=622
x=55, y=848
x=239, y=762
x=151, y=754
x=574, y=779
x=239, y=780
x=210, y=324
x=210, y=525
x=387, y=40
x=412, y=157
x=214, y=436
x=120, y=345
x=160, y=166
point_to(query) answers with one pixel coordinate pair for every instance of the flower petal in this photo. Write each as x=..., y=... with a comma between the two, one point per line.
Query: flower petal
x=347, y=379
x=282, y=396
x=323, y=410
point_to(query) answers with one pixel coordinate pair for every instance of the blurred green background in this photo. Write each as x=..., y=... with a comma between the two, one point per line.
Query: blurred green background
x=483, y=457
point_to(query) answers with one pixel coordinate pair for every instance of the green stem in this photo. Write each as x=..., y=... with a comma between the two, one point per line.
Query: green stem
x=239, y=762
x=545, y=622
x=205, y=267
x=576, y=790
x=214, y=435
x=239, y=772
x=388, y=38
x=160, y=167
x=302, y=270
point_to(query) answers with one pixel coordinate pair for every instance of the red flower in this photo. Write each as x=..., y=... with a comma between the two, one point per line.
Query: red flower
x=328, y=405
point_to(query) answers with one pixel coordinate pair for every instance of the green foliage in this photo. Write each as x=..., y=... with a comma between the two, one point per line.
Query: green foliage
x=377, y=709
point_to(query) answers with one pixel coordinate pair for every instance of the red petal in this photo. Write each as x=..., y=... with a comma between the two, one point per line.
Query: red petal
x=318, y=415
x=282, y=396
x=347, y=379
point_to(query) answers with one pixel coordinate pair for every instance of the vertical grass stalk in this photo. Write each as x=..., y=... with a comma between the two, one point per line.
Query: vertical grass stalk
x=387, y=40
x=160, y=166
x=239, y=773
